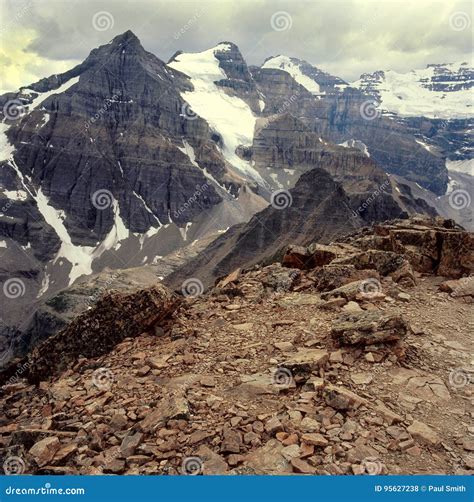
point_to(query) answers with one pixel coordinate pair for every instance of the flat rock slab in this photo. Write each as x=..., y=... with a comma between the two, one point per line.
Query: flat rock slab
x=170, y=407
x=369, y=327
x=299, y=299
x=268, y=459
x=461, y=287
x=264, y=383
x=341, y=398
x=423, y=433
x=305, y=361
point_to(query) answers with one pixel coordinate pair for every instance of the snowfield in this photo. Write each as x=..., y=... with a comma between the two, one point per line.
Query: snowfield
x=407, y=94
x=228, y=115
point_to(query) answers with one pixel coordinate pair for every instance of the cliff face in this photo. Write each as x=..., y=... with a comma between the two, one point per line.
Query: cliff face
x=124, y=105
x=343, y=113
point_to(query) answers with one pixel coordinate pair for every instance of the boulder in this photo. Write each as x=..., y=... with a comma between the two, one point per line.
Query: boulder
x=212, y=463
x=335, y=275
x=306, y=258
x=44, y=450
x=268, y=459
x=369, y=288
x=423, y=433
x=404, y=275
x=341, y=398
x=459, y=288
x=305, y=361
x=130, y=443
x=369, y=327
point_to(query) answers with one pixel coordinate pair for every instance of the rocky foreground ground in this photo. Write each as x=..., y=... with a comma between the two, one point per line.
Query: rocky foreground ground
x=353, y=358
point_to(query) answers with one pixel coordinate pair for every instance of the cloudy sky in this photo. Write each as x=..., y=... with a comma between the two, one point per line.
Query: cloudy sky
x=344, y=37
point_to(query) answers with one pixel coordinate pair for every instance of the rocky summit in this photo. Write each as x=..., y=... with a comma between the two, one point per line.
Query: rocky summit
x=350, y=357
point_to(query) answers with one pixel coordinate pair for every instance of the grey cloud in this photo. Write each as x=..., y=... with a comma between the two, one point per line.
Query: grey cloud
x=346, y=37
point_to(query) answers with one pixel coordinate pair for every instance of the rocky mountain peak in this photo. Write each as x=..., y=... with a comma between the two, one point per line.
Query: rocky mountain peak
x=127, y=37
x=123, y=45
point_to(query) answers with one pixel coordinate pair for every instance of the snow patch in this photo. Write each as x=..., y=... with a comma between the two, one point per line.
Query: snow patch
x=16, y=195
x=293, y=68
x=6, y=148
x=188, y=150
x=80, y=257
x=44, y=286
x=184, y=230
x=461, y=166
x=357, y=144
x=45, y=95
x=424, y=145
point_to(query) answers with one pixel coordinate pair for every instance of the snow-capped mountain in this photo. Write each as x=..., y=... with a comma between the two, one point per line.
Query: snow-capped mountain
x=311, y=78
x=437, y=104
x=126, y=159
x=439, y=91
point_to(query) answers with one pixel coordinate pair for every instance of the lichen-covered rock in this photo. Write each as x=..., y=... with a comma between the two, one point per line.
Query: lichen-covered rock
x=369, y=327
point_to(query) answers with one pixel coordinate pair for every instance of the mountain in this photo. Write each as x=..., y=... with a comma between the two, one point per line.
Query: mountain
x=311, y=78
x=125, y=159
x=317, y=209
x=435, y=102
x=104, y=167
x=343, y=113
x=436, y=105
x=440, y=91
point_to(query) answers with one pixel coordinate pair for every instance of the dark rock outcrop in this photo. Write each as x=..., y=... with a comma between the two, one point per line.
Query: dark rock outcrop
x=115, y=317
